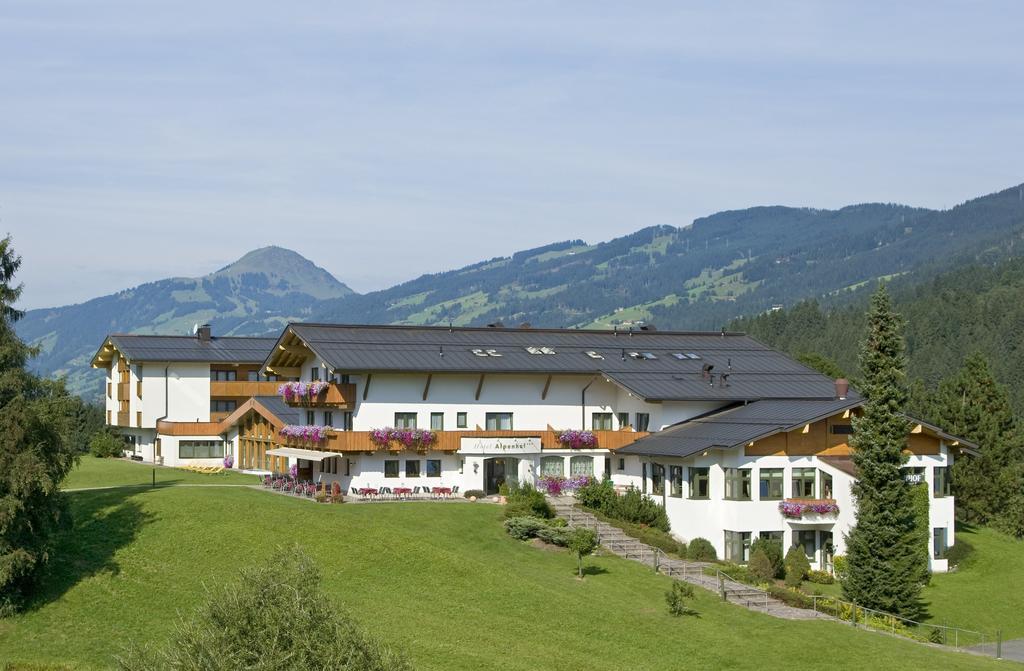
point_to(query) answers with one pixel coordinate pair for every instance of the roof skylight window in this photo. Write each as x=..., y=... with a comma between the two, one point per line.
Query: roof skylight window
x=594, y=355
x=680, y=356
x=540, y=350
x=485, y=352
x=649, y=356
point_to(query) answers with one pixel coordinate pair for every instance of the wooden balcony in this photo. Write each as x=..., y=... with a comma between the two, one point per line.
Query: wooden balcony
x=451, y=441
x=124, y=418
x=123, y=389
x=336, y=395
x=242, y=388
x=189, y=428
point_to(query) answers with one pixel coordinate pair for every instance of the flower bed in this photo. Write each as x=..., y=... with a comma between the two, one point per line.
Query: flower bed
x=797, y=509
x=556, y=485
x=305, y=432
x=296, y=392
x=577, y=440
x=419, y=439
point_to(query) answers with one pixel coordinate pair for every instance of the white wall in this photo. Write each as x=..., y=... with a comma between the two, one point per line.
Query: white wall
x=188, y=390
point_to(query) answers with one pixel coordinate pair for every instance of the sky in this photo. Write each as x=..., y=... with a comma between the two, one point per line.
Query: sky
x=143, y=140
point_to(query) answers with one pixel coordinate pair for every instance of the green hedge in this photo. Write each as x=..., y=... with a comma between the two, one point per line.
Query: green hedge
x=631, y=507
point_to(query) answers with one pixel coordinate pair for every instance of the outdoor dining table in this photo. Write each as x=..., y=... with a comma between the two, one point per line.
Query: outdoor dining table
x=402, y=491
x=442, y=491
x=367, y=491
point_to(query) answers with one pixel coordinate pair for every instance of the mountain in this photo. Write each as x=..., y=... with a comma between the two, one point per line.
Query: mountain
x=975, y=308
x=722, y=267
x=257, y=294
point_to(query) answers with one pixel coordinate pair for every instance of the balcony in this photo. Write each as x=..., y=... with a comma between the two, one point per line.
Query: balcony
x=124, y=418
x=123, y=389
x=189, y=428
x=334, y=395
x=242, y=388
x=451, y=441
x=809, y=511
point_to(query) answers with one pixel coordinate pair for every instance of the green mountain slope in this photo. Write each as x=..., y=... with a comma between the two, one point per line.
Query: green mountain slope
x=258, y=293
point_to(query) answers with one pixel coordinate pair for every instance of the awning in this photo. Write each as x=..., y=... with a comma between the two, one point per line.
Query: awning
x=312, y=455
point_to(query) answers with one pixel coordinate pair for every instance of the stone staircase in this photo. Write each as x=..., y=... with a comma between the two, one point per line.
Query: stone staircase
x=700, y=574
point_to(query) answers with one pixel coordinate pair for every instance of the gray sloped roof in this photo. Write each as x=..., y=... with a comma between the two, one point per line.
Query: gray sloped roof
x=754, y=370
x=736, y=426
x=283, y=411
x=222, y=349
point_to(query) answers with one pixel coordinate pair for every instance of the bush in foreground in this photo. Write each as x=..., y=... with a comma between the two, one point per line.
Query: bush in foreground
x=105, y=443
x=701, y=549
x=760, y=566
x=525, y=501
x=677, y=597
x=631, y=506
x=797, y=566
x=582, y=542
x=773, y=550
x=274, y=617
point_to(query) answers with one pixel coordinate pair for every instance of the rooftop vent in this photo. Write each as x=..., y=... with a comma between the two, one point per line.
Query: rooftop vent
x=842, y=388
x=496, y=325
x=648, y=327
x=203, y=333
x=526, y=325
x=705, y=372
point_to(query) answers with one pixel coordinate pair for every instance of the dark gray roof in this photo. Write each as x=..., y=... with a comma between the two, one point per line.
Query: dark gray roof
x=737, y=425
x=754, y=370
x=224, y=349
x=283, y=411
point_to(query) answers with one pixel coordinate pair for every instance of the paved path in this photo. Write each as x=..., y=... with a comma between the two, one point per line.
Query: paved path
x=617, y=542
x=1012, y=650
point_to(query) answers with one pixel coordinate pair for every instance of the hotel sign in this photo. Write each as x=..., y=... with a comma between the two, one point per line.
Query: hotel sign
x=479, y=445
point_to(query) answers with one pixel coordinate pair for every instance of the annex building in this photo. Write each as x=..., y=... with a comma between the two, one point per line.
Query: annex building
x=735, y=439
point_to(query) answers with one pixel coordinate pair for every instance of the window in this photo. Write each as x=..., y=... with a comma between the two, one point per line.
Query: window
x=842, y=429
x=552, y=466
x=328, y=418
x=623, y=419
x=223, y=406
x=770, y=483
x=737, y=546
x=938, y=542
x=405, y=420
x=391, y=468
x=808, y=540
x=943, y=485
x=253, y=376
x=643, y=421
x=657, y=479
x=803, y=483
x=676, y=476
x=461, y=420
x=310, y=417
x=601, y=421
x=329, y=465
x=200, y=449
x=412, y=468
x=433, y=468
x=346, y=421
x=314, y=374
x=580, y=465
x=622, y=464
x=826, y=485
x=437, y=421
x=772, y=536
x=499, y=421
x=643, y=477
x=737, y=484
x=223, y=375
x=699, y=482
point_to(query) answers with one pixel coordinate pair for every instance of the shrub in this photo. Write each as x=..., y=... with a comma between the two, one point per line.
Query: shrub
x=790, y=597
x=760, y=566
x=677, y=596
x=470, y=493
x=554, y=535
x=526, y=500
x=653, y=537
x=557, y=522
x=959, y=554
x=274, y=616
x=773, y=550
x=105, y=444
x=797, y=566
x=841, y=567
x=820, y=577
x=701, y=549
x=630, y=507
x=597, y=495
x=523, y=528
x=582, y=542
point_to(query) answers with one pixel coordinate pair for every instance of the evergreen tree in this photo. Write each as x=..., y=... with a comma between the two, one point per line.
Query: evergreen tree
x=886, y=564
x=35, y=453
x=973, y=405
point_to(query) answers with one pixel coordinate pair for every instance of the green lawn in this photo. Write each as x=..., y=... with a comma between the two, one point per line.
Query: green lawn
x=441, y=580
x=93, y=472
x=986, y=592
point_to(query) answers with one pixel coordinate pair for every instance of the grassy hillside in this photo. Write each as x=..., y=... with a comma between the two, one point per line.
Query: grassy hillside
x=442, y=580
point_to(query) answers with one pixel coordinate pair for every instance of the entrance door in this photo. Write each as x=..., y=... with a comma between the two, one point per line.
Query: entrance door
x=494, y=474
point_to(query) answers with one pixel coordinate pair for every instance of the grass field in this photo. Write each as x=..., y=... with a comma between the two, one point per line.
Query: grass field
x=93, y=472
x=441, y=580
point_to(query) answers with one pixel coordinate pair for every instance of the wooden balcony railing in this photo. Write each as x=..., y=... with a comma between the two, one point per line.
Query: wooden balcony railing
x=124, y=418
x=451, y=441
x=189, y=428
x=123, y=389
x=336, y=395
x=243, y=388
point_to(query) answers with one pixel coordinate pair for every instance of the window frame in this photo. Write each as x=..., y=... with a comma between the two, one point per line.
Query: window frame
x=771, y=476
x=416, y=469
x=734, y=540
x=496, y=418
x=605, y=423
x=642, y=421
x=402, y=420
x=737, y=478
x=440, y=424
x=697, y=475
x=657, y=479
x=581, y=459
x=551, y=459
x=462, y=420
x=396, y=468
x=430, y=462
x=942, y=482
x=801, y=474
x=676, y=481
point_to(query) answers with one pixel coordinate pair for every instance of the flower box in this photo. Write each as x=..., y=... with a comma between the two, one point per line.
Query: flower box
x=305, y=432
x=390, y=438
x=800, y=508
x=302, y=392
x=577, y=440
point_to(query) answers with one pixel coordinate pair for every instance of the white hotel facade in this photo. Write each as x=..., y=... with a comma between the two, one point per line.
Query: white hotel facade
x=719, y=428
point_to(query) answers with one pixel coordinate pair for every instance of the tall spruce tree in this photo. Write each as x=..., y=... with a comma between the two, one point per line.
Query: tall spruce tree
x=35, y=453
x=887, y=565
x=989, y=489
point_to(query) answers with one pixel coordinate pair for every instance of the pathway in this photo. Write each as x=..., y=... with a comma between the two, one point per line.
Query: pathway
x=1013, y=650
x=618, y=542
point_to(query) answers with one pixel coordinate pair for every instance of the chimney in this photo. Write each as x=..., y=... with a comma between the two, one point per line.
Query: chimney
x=842, y=387
x=203, y=333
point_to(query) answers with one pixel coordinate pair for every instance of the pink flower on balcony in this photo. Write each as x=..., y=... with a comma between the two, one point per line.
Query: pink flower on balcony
x=576, y=440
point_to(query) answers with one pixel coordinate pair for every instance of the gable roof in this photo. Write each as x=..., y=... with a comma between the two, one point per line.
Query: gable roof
x=654, y=365
x=218, y=349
